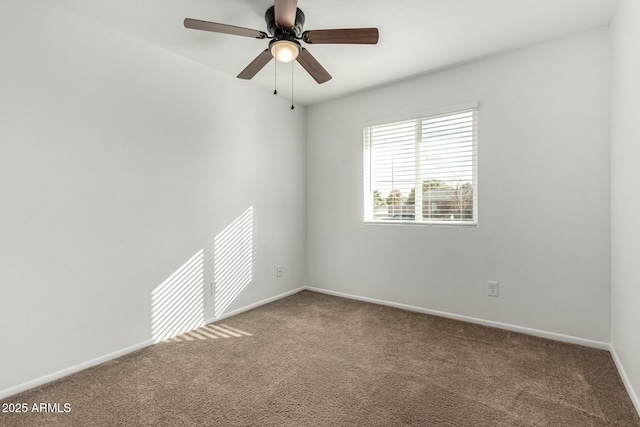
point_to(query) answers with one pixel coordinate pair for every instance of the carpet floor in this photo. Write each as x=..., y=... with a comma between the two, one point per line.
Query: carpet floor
x=317, y=360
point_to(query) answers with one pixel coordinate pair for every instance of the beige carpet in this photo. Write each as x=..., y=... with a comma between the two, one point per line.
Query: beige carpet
x=316, y=360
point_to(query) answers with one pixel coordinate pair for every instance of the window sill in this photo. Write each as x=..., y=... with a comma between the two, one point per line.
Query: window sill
x=422, y=224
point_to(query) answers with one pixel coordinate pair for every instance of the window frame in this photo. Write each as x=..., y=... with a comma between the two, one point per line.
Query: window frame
x=367, y=190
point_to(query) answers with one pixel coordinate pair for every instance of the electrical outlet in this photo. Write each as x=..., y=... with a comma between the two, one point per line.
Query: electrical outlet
x=279, y=271
x=493, y=290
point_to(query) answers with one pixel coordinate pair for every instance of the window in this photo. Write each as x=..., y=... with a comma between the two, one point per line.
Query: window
x=422, y=170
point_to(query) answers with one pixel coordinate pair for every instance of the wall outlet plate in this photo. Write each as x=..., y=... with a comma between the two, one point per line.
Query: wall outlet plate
x=493, y=289
x=279, y=271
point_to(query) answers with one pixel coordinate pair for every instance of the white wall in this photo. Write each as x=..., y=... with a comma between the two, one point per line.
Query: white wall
x=118, y=163
x=625, y=176
x=543, y=230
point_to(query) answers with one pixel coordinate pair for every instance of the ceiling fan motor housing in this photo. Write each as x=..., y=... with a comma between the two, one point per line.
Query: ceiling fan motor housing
x=277, y=31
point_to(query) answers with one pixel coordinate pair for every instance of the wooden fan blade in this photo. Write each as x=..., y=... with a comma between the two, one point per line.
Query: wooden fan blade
x=214, y=27
x=285, y=11
x=312, y=66
x=256, y=65
x=345, y=36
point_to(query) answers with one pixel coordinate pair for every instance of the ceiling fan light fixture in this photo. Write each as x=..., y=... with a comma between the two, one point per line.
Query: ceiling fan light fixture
x=285, y=50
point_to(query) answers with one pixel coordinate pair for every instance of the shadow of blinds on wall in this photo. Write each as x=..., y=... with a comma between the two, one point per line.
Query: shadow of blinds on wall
x=177, y=305
x=233, y=260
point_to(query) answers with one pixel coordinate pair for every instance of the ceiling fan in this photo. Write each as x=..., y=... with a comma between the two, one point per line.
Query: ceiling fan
x=284, y=24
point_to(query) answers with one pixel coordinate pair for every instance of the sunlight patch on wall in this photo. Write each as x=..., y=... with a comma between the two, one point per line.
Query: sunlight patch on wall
x=177, y=305
x=233, y=261
x=226, y=265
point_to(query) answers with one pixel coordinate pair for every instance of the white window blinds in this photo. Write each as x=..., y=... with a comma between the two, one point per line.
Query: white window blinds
x=422, y=170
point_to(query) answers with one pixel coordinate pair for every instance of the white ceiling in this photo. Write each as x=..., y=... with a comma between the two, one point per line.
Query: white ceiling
x=416, y=36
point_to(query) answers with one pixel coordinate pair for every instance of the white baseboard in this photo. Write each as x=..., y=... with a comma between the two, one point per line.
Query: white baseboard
x=544, y=334
x=102, y=359
x=625, y=379
x=254, y=305
x=491, y=323
x=71, y=370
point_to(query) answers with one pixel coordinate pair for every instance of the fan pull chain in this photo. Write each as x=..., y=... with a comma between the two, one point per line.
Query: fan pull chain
x=292, y=67
x=275, y=77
